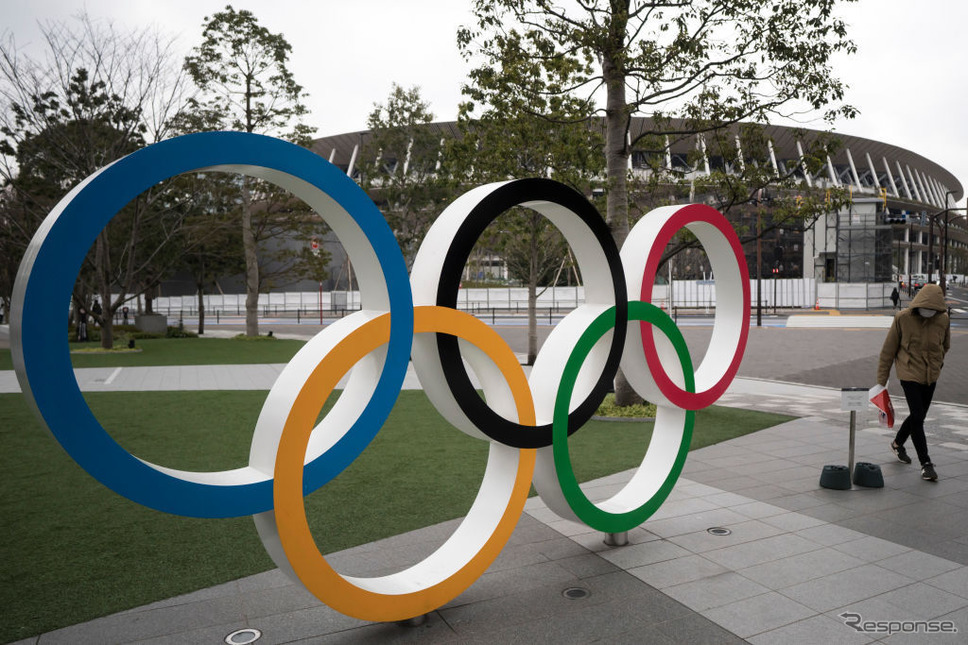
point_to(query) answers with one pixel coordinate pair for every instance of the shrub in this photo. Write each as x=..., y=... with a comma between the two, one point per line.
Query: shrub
x=609, y=409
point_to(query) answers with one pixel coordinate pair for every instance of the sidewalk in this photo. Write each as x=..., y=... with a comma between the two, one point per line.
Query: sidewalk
x=797, y=556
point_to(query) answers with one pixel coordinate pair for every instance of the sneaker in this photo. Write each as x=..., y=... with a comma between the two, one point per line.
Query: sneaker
x=901, y=453
x=928, y=474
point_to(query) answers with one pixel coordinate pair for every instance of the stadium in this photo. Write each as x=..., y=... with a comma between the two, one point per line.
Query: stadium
x=899, y=226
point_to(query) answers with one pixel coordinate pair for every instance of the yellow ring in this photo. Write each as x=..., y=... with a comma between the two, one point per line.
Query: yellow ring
x=410, y=596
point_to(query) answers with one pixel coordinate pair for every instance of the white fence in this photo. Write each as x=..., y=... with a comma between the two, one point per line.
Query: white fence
x=685, y=294
x=507, y=299
x=836, y=295
x=701, y=294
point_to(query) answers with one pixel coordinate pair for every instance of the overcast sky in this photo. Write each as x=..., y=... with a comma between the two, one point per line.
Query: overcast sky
x=907, y=78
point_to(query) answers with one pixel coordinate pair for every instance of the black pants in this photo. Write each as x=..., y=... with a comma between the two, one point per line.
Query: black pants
x=918, y=397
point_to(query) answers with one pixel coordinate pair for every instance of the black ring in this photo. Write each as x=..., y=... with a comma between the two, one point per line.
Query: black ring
x=517, y=193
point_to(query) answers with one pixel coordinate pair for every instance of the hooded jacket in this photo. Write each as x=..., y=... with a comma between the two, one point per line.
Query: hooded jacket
x=916, y=344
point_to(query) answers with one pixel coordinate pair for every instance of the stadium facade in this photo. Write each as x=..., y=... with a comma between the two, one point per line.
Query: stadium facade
x=897, y=209
x=899, y=226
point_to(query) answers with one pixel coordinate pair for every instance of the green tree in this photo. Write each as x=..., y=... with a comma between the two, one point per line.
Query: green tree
x=711, y=63
x=98, y=95
x=517, y=122
x=241, y=70
x=212, y=246
x=401, y=170
x=741, y=182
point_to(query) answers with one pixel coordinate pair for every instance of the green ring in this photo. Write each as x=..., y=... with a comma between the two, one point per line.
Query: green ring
x=588, y=512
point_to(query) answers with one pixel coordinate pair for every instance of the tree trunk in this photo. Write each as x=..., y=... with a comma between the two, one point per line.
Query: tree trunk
x=201, y=311
x=251, y=264
x=617, y=155
x=533, y=294
x=102, y=262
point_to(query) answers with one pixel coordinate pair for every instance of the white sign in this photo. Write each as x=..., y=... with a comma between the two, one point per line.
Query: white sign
x=853, y=399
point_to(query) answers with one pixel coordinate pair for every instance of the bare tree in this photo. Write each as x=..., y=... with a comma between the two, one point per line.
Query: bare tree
x=97, y=95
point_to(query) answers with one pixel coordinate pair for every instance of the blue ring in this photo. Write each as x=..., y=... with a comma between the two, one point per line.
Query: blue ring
x=62, y=242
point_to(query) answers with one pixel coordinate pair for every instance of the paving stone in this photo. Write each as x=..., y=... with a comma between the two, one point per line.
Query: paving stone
x=816, y=629
x=922, y=600
x=955, y=581
x=796, y=550
x=759, y=614
x=795, y=569
x=742, y=532
x=715, y=591
x=918, y=565
x=844, y=587
x=680, y=570
x=756, y=552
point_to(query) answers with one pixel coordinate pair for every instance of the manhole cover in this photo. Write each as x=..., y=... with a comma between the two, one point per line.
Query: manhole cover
x=243, y=636
x=575, y=593
x=718, y=530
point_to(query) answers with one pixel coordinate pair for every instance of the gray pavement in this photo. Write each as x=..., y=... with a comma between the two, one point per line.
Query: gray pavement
x=799, y=563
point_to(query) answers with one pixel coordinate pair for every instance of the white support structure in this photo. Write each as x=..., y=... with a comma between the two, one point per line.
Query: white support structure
x=739, y=155
x=406, y=162
x=776, y=169
x=701, y=144
x=939, y=189
x=803, y=165
x=349, y=170
x=926, y=188
x=668, y=154
x=890, y=177
x=907, y=256
x=332, y=155
x=628, y=146
x=440, y=155
x=900, y=172
x=870, y=164
x=914, y=184
x=853, y=169
x=925, y=195
x=832, y=173
x=933, y=189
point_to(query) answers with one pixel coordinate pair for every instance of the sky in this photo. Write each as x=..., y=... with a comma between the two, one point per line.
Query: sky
x=908, y=77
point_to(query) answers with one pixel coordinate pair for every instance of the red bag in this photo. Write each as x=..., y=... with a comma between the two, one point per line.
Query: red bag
x=879, y=396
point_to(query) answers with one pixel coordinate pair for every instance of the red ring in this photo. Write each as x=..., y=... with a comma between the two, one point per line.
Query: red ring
x=681, y=219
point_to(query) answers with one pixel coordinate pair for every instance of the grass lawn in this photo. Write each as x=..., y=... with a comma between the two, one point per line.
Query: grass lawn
x=183, y=351
x=73, y=550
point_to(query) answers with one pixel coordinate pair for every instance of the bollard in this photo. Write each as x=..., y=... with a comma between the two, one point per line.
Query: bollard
x=617, y=539
x=416, y=621
x=868, y=475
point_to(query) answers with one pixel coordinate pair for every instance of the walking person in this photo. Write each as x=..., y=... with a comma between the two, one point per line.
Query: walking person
x=896, y=298
x=916, y=344
x=96, y=311
x=82, y=325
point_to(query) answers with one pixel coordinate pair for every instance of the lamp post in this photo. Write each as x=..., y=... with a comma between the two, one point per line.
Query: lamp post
x=943, y=277
x=759, y=271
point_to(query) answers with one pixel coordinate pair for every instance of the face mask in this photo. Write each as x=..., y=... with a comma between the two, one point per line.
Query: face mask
x=926, y=313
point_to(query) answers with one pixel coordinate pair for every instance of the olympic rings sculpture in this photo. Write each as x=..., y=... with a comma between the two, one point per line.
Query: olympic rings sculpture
x=527, y=420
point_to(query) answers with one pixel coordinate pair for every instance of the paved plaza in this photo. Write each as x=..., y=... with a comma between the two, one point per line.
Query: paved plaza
x=797, y=564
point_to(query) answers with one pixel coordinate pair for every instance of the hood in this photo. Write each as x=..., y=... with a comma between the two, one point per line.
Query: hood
x=930, y=297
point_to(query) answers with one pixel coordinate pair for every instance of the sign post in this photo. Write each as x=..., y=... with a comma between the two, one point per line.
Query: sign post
x=853, y=399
